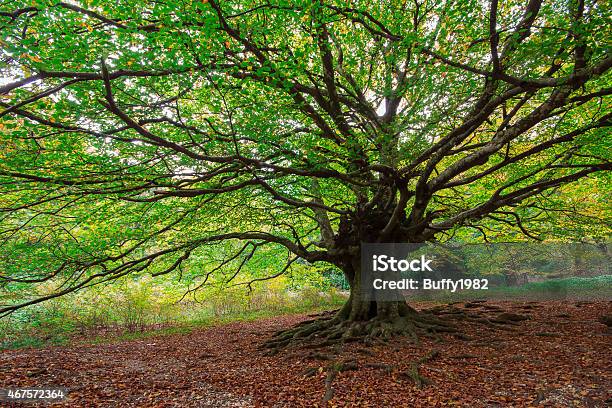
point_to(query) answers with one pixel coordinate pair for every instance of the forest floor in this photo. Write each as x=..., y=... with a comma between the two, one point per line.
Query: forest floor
x=561, y=356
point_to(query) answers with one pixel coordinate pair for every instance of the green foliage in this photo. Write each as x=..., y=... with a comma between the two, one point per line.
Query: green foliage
x=337, y=279
x=223, y=141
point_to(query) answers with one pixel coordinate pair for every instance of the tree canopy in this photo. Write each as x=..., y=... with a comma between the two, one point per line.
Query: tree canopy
x=137, y=136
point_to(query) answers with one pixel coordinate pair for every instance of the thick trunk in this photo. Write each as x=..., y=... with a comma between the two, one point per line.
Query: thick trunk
x=360, y=308
x=361, y=319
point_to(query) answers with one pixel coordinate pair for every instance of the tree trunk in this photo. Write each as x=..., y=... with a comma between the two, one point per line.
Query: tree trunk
x=361, y=319
x=359, y=308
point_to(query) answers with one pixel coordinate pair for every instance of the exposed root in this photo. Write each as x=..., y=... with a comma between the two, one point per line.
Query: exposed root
x=329, y=390
x=332, y=371
x=333, y=329
x=329, y=331
x=501, y=321
x=386, y=367
x=428, y=357
x=321, y=356
x=413, y=373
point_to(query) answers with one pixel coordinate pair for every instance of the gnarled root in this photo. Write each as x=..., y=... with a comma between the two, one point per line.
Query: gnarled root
x=328, y=331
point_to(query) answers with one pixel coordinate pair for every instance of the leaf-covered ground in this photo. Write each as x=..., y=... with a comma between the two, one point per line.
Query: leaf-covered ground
x=560, y=357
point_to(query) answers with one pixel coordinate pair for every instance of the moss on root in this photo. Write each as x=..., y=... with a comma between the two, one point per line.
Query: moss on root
x=397, y=320
x=328, y=331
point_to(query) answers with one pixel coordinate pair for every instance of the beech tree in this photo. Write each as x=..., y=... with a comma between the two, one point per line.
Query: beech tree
x=137, y=135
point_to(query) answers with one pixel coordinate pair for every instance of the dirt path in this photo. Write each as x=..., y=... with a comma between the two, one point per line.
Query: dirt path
x=561, y=356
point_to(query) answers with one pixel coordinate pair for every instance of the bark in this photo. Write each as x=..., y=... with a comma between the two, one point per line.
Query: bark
x=362, y=319
x=360, y=309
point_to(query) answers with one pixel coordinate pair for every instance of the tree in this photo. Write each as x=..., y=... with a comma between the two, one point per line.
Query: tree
x=139, y=134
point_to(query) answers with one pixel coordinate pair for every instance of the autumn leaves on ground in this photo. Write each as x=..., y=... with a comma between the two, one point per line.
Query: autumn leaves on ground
x=559, y=356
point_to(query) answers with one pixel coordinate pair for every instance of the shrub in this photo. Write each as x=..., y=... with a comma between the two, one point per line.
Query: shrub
x=138, y=304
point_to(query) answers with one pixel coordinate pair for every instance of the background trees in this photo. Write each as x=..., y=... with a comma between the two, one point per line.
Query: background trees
x=140, y=135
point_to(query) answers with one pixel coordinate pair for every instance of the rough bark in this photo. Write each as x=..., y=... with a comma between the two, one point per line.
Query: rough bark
x=361, y=319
